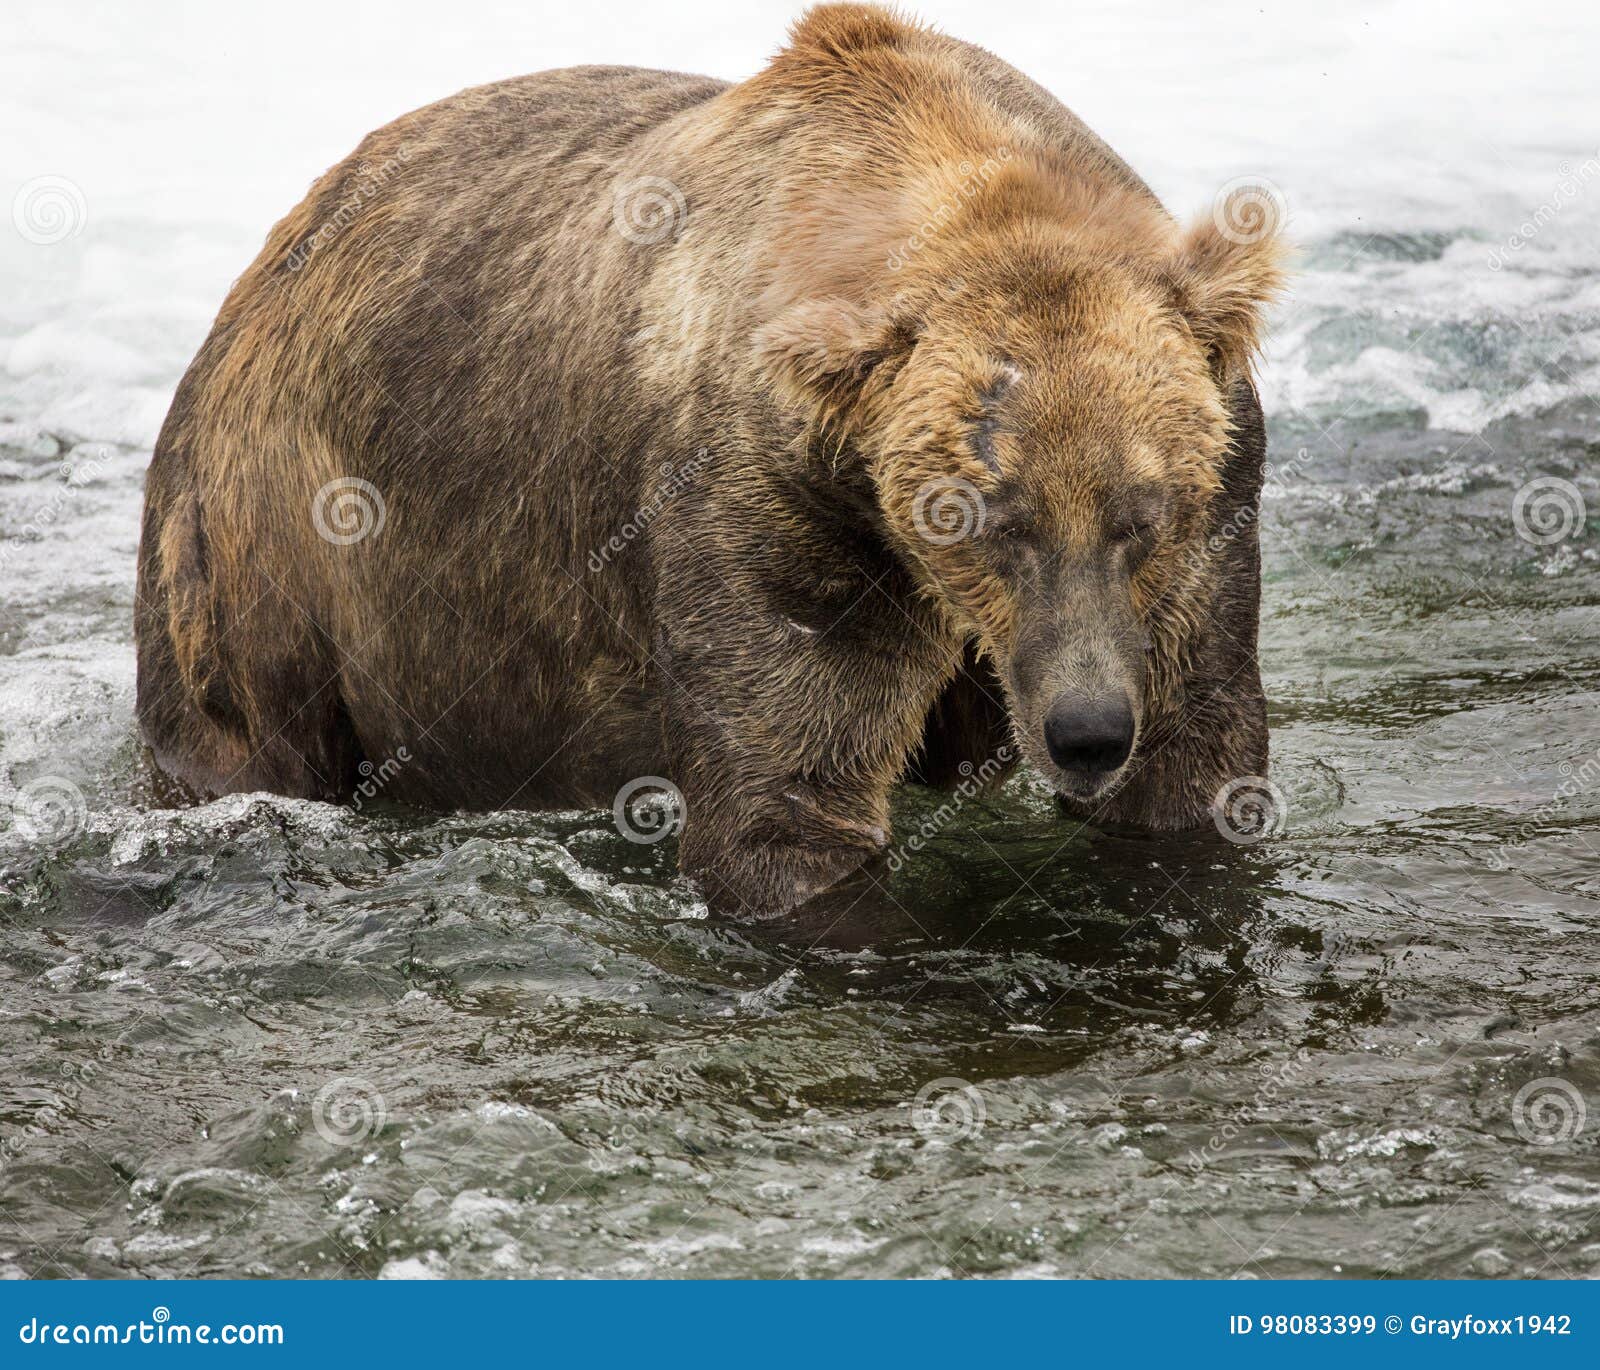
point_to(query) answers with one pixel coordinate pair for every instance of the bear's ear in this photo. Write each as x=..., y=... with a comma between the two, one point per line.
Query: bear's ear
x=822, y=354
x=1228, y=266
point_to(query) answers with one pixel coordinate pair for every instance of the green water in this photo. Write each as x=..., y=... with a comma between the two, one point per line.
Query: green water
x=272, y=1038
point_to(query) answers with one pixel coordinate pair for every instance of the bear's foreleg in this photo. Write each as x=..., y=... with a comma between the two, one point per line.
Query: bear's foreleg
x=792, y=701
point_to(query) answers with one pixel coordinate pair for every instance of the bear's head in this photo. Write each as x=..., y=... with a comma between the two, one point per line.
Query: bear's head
x=1041, y=413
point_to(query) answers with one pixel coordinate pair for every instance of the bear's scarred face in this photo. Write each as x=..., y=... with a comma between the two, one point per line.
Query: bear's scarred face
x=1045, y=429
x=1049, y=482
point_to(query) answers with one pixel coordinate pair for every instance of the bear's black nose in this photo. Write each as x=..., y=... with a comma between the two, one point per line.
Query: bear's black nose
x=1089, y=736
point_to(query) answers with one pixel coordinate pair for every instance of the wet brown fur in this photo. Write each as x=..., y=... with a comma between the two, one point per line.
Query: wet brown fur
x=773, y=381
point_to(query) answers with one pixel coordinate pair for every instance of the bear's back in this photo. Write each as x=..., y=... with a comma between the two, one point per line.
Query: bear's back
x=1022, y=98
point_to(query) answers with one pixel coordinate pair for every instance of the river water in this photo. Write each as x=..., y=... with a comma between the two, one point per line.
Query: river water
x=261, y=1037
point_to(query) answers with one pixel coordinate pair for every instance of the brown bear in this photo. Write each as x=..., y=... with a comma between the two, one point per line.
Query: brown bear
x=865, y=420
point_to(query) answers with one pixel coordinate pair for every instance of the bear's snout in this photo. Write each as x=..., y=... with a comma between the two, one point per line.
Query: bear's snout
x=1089, y=737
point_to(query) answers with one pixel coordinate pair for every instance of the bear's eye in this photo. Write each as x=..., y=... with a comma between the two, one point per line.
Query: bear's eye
x=1007, y=529
x=1132, y=531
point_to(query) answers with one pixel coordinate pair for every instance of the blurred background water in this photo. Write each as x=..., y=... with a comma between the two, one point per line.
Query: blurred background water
x=261, y=1037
